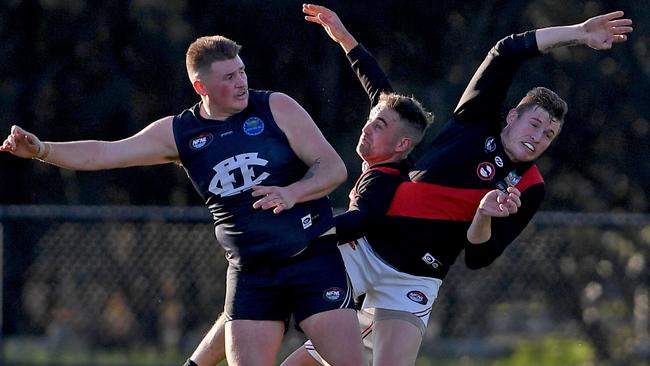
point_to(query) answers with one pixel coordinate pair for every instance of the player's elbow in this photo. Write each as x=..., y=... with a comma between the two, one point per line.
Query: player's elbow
x=339, y=172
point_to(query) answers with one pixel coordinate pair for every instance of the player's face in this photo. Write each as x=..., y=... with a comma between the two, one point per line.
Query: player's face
x=380, y=136
x=528, y=135
x=226, y=86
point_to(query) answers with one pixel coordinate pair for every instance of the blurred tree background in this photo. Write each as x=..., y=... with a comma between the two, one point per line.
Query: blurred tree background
x=74, y=70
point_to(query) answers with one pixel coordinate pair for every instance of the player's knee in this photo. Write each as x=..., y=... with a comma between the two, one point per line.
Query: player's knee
x=386, y=314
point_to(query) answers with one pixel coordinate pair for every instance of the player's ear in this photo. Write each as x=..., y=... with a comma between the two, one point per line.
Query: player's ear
x=199, y=88
x=512, y=115
x=404, y=144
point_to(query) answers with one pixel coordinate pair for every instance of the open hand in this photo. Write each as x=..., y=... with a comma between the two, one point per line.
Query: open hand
x=273, y=197
x=604, y=30
x=331, y=23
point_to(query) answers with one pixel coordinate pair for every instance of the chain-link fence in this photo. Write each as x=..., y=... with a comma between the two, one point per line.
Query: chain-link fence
x=141, y=285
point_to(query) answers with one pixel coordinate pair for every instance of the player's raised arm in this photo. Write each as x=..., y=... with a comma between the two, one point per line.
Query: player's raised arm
x=332, y=25
x=600, y=33
x=365, y=66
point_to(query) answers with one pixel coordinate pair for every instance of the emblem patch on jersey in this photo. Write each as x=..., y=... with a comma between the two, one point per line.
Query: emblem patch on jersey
x=253, y=126
x=418, y=296
x=512, y=179
x=498, y=161
x=306, y=221
x=490, y=145
x=431, y=261
x=485, y=170
x=223, y=183
x=333, y=294
x=201, y=141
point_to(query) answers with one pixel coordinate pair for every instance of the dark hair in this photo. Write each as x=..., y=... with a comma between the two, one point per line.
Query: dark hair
x=547, y=99
x=206, y=50
x=410, y=110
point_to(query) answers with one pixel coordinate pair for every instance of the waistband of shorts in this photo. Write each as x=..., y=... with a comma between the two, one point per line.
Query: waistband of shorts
x=321, y=245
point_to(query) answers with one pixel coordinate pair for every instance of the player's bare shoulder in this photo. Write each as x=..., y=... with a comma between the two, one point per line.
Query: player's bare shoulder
x=159, y=135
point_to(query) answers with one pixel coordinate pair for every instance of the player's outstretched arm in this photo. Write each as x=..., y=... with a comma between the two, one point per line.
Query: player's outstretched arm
x=153, y=145
x=600, y=33
x=332, y=25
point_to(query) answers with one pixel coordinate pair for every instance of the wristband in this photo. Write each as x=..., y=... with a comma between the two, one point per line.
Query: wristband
x=42, y=152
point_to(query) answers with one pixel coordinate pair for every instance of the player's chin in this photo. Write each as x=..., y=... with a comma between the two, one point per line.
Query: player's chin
x=526, y=156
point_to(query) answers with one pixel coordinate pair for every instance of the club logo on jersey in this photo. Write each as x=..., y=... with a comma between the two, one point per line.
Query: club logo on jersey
x=201, y=141
x=490, y=145
x=512, y=179
x=431, y=261
x=498, y=161
x=253, y=126
x=306, y=221
x=333, y=294
x=485, y=170
x=223, y=183
x=418, y=296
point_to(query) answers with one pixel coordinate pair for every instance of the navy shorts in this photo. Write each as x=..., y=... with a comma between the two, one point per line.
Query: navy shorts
x=313, y=281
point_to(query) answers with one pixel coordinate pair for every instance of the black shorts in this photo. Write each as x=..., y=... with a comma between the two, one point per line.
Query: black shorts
x=313, y=281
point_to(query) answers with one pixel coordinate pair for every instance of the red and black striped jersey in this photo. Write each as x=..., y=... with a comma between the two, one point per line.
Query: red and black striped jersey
x=425, y=225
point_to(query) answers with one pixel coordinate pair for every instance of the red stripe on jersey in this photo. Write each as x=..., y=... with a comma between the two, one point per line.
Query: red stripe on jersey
x=436, y=202
x=431, y=201
x=531, y=177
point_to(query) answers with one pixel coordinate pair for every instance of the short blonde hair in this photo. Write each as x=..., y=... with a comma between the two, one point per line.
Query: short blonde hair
x=416, y=118
x=548, y=100
x=206, y=50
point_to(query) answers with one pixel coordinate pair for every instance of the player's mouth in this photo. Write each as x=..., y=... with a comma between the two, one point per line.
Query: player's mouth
x=364, y=140
x=242, y=94
x=529, y=146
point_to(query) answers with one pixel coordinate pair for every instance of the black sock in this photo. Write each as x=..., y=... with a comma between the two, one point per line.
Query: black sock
x=190, y=363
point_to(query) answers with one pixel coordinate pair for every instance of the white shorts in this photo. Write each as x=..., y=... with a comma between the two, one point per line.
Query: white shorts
x=385, y=288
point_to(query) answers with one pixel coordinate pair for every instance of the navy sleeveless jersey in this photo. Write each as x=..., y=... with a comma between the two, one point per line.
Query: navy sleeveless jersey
x=224, y=159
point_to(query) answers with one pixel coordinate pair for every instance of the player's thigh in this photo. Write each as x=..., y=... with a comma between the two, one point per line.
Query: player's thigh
x=336, y=336
x=396, y=342
x=253, y=342
x=307, y=355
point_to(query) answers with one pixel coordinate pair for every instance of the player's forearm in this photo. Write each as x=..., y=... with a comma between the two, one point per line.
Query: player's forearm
x=480, y=230
x=555, y=37
x=372, y=78
x=321, y=179
x=100, y=155
x=77, y=155
x=347, y=42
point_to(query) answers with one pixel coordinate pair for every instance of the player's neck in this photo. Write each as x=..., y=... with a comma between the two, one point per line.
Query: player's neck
x=382, y=162
x=212, y=112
